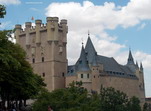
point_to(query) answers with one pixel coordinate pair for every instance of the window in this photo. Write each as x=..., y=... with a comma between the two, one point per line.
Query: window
x=33, y=60
x=43, y=59
x=72, y=70
x=94, y=76
x=43, y=74
x=63, y=74
x=80, y=62
x=87, y=75
x=81, y=75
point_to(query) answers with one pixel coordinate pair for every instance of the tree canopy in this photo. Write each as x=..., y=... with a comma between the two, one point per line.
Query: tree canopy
x=2, y=11
x=17, y=80
x=76, y=98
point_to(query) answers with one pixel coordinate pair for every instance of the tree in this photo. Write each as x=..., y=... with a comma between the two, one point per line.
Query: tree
x=133, y=104
x=17, y=80
x=2, y=11
x=113, y=100
x=147, y=107
x=76, y=98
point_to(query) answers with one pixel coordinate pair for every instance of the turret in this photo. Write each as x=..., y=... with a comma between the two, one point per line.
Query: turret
x=130, y=60
x=90, y=50
x=17, y=32
x=141, y=67
x=82, y=62
x=63, y=23
x=27, y=29
x=56, y=20
x=38, y=26
x=52, y=28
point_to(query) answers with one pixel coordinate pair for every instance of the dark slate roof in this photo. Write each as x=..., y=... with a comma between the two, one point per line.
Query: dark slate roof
x=137, y=65
x=82, y=64
x=94, y=62
x=71, y=70
x=89, y=56
x=141, y=66
x=130, y=58
x=90, y=51
x=126, y=69
x=109, y=64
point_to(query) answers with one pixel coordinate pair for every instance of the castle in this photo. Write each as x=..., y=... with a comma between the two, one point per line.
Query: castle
x=45, y=45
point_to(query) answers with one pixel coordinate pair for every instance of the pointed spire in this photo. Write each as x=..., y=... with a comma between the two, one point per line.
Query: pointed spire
x=137, y=64
x=130, y=58
x=90, y=50
x=88, y=33
x=141, y=66
x=82, y=64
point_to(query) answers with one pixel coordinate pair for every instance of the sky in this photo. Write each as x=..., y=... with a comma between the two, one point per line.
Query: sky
x=115, y=26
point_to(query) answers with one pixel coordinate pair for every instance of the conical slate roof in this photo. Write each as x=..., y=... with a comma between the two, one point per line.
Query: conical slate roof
x=90, y=51
x=130, y=59
x=82, y=64
x=141, y=66
x=137, y=65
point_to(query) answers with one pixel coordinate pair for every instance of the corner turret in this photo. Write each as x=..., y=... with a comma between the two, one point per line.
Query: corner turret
x=38, y=26
x=141, y=67
x=82, y=62
x=27, y=29
x=63, y=23
x=130, y=60
x=18, y=29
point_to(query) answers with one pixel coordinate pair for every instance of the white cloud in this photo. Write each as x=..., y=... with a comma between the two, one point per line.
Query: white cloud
x=35, y=9
x=142, y=26
x=8, y=2
x=98, y=18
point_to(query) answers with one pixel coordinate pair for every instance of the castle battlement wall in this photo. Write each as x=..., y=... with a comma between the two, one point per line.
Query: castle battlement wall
x=52, y=27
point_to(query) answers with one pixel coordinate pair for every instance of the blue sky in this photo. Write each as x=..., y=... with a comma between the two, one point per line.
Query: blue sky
x=115, y=26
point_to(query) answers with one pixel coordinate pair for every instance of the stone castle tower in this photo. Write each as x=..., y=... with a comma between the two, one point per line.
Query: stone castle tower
x=45, y=45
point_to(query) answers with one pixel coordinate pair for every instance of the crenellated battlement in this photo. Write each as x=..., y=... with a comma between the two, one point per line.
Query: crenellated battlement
x=38, y=22
x=52, y=27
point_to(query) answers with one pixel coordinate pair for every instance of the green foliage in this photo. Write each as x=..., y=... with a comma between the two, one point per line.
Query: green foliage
x=113, y=100
x=146, y=107
x=133, y=104
x=2, y=11
x=76, y=98
x=17, y=80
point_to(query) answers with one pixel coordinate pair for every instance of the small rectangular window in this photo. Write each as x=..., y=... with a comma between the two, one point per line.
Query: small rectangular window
x=43, y=59
x=33, y=60
x=63, y=74
x=81, y=75
x=43, y=74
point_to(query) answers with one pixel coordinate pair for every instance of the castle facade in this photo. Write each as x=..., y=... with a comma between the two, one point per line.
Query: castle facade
x=45, y=45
